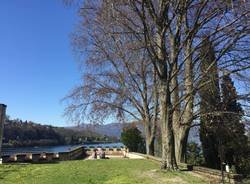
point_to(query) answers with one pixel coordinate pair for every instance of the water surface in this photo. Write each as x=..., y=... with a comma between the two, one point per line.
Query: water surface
x=56, y=149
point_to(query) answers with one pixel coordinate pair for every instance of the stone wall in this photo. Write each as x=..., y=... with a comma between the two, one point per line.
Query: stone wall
x=77, y=153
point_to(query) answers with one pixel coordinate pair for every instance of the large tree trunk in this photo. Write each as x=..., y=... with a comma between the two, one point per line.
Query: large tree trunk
x=178, y=129
x=151, y=142
x=181, y=138
x=150, y=146
x=166, y=110
x=148, y=118
x=182, y=117
x=150, y=137
x=182, y=127
x=168, y=150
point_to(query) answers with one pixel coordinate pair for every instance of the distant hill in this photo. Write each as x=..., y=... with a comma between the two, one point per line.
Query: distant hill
x=115, y=129
x=26, y=133
x=112, y=129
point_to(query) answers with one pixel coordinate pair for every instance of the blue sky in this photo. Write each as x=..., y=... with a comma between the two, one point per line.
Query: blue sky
x=37, y=65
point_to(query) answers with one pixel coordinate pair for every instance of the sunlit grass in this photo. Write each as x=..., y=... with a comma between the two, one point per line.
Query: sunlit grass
x=93, y=172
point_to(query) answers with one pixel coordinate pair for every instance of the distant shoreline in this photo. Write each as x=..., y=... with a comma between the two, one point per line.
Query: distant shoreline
x=50, y=145
x=56, y=149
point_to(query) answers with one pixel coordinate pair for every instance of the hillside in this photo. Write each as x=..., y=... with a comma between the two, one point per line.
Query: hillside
x=115, y=129
x=111, y=129
x=26, y=133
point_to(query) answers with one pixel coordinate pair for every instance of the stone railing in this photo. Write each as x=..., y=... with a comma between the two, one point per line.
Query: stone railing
x=108, y=151
x=76, y=153
x=73, y=154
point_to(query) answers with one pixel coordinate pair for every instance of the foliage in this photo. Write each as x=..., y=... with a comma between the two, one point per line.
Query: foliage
x=232, y=131
x=132, y=138
x=222, y=131
x=25, y=133
x=114, y=171
x=209, y=104
x=194, y=154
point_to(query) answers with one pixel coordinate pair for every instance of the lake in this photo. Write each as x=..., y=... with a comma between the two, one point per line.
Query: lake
x=55, y=149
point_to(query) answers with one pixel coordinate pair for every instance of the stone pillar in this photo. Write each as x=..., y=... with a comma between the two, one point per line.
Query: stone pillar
x=2, y=120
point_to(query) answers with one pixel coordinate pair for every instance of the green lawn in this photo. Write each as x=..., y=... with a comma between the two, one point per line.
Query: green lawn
x=115, y=171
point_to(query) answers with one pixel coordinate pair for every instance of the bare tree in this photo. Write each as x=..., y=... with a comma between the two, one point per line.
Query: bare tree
x=172, y=32
x=117, y=80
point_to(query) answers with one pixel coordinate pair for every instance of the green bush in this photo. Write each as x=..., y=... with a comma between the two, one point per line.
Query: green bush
x=132, y=138
x=194, y=154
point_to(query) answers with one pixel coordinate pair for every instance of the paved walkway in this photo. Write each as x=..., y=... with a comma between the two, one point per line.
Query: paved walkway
x=128, y=155
x=134, y=156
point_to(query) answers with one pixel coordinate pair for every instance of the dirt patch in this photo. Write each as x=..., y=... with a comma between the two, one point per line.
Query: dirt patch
x=210, y=179
x=160, y=178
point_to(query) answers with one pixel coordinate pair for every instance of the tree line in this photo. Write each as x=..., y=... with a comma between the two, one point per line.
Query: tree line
x=18, y=133
x=169, y=64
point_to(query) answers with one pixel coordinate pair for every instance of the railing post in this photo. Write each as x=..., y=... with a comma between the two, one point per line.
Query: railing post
x=2, y=120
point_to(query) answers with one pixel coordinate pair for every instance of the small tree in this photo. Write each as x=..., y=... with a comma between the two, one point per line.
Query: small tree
x=194, y=154
x=132, y=138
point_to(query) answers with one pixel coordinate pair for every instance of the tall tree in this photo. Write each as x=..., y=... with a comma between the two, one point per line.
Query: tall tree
x=120, y=80
x=234, y=139
x=132, y=138
x=172, y=32
x=209, y=104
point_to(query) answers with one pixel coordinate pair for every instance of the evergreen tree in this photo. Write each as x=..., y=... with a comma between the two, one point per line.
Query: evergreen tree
x=222, y=133
x=234, y=138
x=132, y=138
x=209, y=104
x=194, y=154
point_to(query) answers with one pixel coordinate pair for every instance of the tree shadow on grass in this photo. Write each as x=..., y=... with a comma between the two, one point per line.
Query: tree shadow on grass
x=182, y=170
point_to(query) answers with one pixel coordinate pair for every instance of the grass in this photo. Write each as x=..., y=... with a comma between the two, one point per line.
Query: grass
x=116, y=171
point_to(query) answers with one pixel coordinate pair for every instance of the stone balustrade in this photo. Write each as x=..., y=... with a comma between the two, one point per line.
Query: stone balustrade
x=77, y=153
x=108, y=151
x=45, y=157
